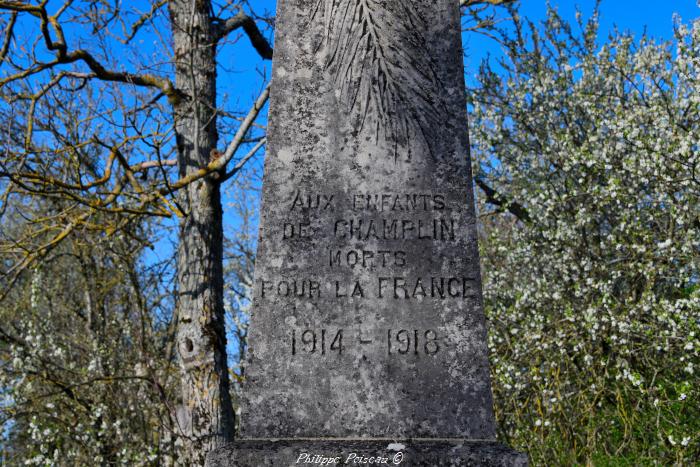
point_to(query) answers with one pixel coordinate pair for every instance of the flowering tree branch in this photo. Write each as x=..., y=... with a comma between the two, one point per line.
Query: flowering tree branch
x=496, y=199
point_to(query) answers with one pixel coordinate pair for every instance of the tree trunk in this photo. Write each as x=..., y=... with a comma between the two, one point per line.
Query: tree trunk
x=206, y=416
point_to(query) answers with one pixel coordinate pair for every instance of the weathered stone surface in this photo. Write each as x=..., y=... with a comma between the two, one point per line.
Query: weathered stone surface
x=367, y=318
x=406, y=453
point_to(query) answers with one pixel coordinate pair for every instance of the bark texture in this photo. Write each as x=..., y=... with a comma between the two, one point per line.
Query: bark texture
x=206, y=416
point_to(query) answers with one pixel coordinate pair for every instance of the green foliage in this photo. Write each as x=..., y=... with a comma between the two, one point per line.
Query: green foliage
x=591, y=281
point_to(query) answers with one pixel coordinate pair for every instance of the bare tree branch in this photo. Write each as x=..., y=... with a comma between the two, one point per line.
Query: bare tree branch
x=220, y=162
x=244, y=159
x=469, y=3
x=142, y=20
x=64, y=57
x=242, y=20
x=8, y=36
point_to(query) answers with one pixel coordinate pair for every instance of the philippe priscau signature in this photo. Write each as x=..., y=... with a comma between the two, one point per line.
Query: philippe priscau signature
x=351, y=458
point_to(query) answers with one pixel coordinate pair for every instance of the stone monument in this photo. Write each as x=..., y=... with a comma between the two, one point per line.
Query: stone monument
x=367, y=339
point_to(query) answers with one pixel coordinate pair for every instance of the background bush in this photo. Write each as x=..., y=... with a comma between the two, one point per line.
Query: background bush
x=589, y=155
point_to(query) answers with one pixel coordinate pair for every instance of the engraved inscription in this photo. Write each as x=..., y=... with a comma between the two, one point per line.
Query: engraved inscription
x=398, y=202
x=433, y=287
x=330, y=342
x=318, y=201
x=367, y=259
x=438, y=226
x=397, y=288
x=303, y=288
x=297, y=230
x=312, y=341
x=415, y=341
x=395, y=229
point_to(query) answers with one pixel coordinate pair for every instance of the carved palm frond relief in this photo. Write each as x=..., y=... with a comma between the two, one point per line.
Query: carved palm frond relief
x=376, y=53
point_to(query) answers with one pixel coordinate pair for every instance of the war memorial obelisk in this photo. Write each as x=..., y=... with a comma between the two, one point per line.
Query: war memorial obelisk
x=367, y=336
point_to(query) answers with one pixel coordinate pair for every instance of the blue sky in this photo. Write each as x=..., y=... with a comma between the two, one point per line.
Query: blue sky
x=651, y=16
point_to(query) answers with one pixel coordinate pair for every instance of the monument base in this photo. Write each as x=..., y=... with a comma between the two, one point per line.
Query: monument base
x=365, y=452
